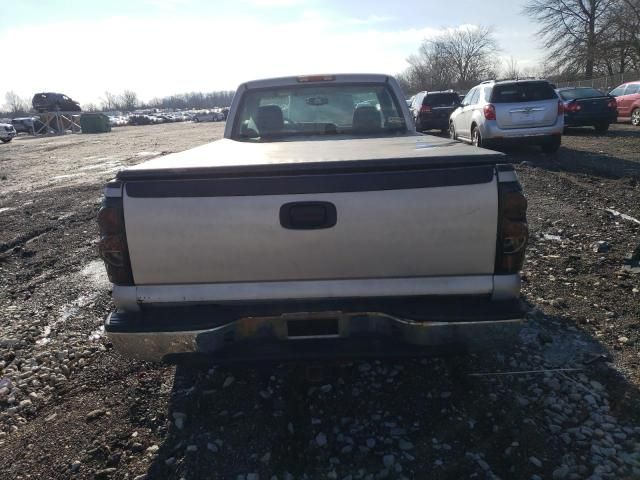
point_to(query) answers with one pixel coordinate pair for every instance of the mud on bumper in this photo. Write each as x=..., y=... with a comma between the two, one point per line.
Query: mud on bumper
x=307, y=331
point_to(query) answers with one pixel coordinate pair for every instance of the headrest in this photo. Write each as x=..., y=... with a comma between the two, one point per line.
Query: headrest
x=269, y=120
x=366, y=119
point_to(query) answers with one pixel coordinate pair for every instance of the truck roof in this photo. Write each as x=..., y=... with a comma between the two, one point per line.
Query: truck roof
x=315, y=79
x=230, y=157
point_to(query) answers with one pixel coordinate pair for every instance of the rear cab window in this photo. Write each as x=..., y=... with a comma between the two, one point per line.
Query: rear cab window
x=522, y=92
x=291, y=112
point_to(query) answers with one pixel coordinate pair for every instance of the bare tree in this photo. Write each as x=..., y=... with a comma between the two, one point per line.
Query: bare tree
x=90, y=107
x=511, y=69
x=456, y=59
x=109, y=101
x=573, y=31
x=14, y=103
x=472, y=51
x=622, y=50
x=129, y=100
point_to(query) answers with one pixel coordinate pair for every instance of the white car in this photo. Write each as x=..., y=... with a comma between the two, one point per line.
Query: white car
x=511, y=111
x=7, y=132
x=208, y=116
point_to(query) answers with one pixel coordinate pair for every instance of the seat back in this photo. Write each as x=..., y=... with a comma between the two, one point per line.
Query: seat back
x=269, y=120
x=366, y=119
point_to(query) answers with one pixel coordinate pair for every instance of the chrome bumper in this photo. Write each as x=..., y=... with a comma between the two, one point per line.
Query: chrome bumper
x=317, y=328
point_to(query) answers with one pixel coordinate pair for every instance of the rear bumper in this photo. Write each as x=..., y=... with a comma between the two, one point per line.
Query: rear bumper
x=580, y=120
x=302, y=331
x=441, y=123
x=491, y=131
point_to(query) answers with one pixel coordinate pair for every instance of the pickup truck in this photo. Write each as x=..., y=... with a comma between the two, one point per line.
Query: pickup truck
x=321, y=225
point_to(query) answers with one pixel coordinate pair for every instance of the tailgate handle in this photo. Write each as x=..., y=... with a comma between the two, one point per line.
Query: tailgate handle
x=308, y=215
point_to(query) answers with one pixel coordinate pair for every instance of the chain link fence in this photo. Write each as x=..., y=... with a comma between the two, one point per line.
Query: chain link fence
x=603, y=83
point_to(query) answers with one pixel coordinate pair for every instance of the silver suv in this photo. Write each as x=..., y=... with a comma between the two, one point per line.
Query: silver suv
x=516, y=111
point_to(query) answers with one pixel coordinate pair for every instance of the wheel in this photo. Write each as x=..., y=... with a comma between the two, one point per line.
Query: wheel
x=552, y=146
x=196, y=119
x=452, y=132
x=635, y=117
x=5, y=140
x=444, y=131
x=476, y=138
x=601, y=127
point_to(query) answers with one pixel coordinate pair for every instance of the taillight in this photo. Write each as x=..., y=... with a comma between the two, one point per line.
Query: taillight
x=489, y=112
x=561, y=107
x=612, y=103
x=513, y=230
x=425, y=109
x=572, y=107
x=112, y=246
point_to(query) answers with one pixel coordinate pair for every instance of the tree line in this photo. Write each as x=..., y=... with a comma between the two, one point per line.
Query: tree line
x=128, y=101
x=455, y=59
x=583, y=39
x=588, y=38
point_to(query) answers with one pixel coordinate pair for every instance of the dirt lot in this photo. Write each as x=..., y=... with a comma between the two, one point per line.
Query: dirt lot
x=71, y=407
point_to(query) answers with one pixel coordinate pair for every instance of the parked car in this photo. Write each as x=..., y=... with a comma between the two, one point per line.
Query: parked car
x=54, y=102
x=30, y=125
x=205, y=116
x=117, y=121
x=354, y=240
x=431, y=110
x=208, y=116
x=510, y=111
x=627, y=97
x=586, y=106
x=140, y=119
x=7, y=132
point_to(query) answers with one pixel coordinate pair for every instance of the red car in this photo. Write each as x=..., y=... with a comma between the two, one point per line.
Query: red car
x=628, y=99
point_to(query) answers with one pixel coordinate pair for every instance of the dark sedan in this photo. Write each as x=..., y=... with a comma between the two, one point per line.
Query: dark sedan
x=586, y=106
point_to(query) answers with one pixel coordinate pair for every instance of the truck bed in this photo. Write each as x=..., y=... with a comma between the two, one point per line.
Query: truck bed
x=230, y=157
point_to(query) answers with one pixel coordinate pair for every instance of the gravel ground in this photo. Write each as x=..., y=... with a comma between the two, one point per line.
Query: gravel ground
x=561, y=403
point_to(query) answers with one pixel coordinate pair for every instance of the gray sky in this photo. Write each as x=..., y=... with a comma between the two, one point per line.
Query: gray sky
x=161, y=47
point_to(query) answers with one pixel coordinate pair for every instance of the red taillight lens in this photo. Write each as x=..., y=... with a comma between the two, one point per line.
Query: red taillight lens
x=109, y=220
x=513, y=230
x=489, y=112
x=425, y=109
x=112, y=249
x=112, y=246
x=612, y=103
x=572, y=107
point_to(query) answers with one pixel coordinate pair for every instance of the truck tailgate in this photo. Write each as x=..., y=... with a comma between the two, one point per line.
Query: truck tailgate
x=414, y=221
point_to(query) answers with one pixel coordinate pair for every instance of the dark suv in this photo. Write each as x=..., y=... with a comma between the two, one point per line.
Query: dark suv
x=431, y=110
x=54, y=102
